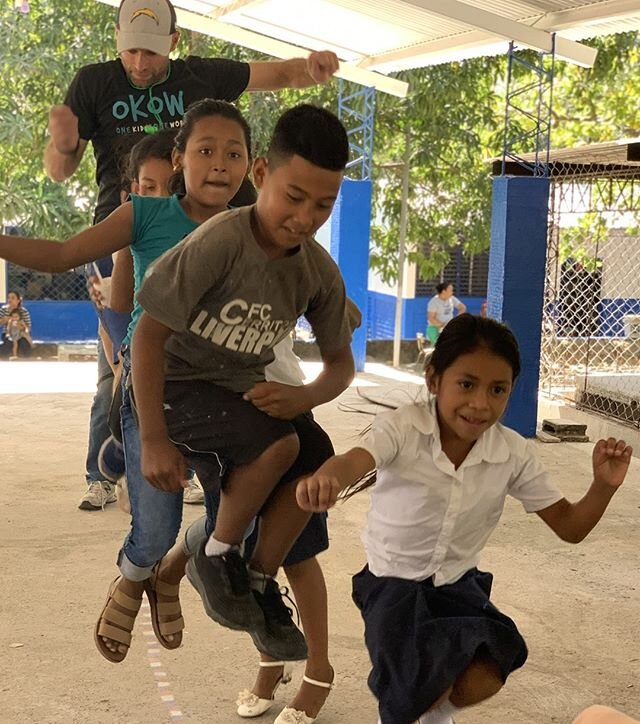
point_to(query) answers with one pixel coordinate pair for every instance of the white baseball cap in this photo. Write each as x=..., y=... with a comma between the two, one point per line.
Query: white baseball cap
x=146, y=25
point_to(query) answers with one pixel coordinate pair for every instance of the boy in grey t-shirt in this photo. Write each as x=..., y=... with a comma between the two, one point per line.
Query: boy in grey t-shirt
x=216, y=305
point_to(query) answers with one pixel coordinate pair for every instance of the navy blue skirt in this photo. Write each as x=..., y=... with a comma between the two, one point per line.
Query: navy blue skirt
x=422, y=638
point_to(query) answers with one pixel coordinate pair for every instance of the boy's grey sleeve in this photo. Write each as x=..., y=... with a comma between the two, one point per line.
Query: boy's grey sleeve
x=328, y=313
x=175, y=283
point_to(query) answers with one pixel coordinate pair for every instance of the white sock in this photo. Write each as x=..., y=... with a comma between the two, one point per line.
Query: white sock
x=215, y=547
x=258, y=580
x=442, y=714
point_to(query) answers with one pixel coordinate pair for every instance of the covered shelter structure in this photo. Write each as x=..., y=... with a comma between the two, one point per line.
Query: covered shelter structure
x=375, y=39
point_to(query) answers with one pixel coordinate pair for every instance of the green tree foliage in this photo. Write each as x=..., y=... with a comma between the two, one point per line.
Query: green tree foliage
x=451, y=114
x=41, y=52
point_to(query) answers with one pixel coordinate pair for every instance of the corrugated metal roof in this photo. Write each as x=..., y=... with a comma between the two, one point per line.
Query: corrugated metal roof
x=383, y=36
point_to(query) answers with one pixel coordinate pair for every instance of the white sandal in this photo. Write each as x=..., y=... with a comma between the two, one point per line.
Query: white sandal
x=294, y=716
x=250, y=705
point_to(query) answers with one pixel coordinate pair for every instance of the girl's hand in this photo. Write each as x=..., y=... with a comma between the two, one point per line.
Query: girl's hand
x=277, y=400
x=611, y=460
x=163, y=466
x=317, y=493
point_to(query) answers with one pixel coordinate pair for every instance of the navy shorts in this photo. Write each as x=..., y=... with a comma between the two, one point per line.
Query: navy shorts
x=422, y=638
x=216, y=429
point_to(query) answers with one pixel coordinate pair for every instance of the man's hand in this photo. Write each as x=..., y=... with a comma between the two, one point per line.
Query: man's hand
x=63, y=129
x=611, y=460
x=163, y=466
x=322, y=65
x=317, y=493
x=277, y=400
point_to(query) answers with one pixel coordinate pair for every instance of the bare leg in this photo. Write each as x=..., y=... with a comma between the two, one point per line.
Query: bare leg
x=480, y=681
x=603, y=715
x=308, y=586
x=281, y=523
x=248, y=488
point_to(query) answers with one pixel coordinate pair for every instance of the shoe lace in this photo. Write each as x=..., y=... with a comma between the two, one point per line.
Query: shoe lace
x=97, y=488
x=274, y=596
x=237, y=572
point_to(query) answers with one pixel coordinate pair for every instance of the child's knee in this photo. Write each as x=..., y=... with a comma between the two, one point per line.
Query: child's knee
x=284, y=451
x=598, y=714
x=480, y=681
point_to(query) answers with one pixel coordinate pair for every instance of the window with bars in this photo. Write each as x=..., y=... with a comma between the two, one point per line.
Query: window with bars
x=468, y=274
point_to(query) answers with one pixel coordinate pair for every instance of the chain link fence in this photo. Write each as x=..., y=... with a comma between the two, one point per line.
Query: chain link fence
x=590, y=352
x=36, y=286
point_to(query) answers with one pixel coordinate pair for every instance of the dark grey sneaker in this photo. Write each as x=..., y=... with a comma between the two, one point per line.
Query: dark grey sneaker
x=223, y=585
x=277, y=636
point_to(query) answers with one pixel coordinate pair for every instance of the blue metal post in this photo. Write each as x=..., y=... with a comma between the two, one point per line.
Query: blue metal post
x=519, y=226
x=516, y=282
x=351, y=218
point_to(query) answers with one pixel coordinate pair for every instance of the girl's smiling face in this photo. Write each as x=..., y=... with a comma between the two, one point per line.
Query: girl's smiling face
x=471, y=396
x=215, y=162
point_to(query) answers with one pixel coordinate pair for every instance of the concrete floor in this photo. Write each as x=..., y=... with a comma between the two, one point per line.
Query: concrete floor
x=578, y=607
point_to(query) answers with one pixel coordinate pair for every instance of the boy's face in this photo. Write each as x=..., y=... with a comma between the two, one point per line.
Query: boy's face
x=296, y=197
x=153, y=178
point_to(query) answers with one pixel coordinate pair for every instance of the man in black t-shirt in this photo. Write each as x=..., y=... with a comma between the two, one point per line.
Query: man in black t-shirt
x=115, y=103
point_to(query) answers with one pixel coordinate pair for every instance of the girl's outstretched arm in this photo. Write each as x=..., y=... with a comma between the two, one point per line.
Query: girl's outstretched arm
x=574, y=521
x=51, y=256
x=319, y=491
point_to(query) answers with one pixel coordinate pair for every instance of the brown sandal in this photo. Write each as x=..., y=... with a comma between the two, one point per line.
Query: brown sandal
x=162, y=629
x=115, y=625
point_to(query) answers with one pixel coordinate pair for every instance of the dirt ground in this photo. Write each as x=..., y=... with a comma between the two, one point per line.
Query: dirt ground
x=578, y=607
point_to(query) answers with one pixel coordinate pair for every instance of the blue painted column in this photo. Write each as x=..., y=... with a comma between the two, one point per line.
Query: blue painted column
x=516, y=282
x=350, y=226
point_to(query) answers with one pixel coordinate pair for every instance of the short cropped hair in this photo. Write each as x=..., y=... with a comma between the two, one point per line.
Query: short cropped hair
x=312, y=133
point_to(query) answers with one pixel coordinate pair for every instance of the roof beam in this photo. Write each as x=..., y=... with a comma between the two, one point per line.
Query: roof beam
x=233, y=7
x=279, y=49
x=497, y=26
x=589, y=14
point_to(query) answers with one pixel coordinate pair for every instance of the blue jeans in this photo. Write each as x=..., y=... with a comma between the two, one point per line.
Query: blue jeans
x=99, y=417
x=156, y=515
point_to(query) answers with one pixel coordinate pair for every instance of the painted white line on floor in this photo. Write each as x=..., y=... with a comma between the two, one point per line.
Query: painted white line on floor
x=167, y=696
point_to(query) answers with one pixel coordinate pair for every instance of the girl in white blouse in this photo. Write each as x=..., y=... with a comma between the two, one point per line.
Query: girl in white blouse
x=442, y=471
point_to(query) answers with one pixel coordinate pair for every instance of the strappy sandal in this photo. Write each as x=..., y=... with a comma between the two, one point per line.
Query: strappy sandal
x=250, y=705
x=114, y=624
x=154, y=586
x=294, y=716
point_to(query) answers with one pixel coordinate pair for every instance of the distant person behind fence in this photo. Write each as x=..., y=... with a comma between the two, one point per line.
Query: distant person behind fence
x=440, y=310
x=23, y=343
x=17, y=331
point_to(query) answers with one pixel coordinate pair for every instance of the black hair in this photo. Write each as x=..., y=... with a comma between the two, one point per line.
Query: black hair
x=172, y=10
x=313, y=133
x=462, y=335
x=469, y=332
x=442, y=286
x=157, y=145
x=195, y=112
x=13, y=291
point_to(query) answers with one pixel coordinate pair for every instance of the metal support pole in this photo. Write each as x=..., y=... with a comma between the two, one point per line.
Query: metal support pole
x=404, y=203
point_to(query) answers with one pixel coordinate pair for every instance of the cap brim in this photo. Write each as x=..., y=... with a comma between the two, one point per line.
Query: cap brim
x=160, y=44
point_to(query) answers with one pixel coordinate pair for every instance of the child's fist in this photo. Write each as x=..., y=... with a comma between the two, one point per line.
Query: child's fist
x=611, y=460
x=317, y=493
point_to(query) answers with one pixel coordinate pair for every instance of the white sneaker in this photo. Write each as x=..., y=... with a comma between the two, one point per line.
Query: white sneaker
x=99, y=493
x=194, y=494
